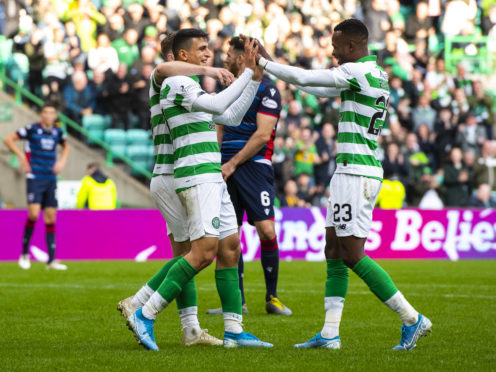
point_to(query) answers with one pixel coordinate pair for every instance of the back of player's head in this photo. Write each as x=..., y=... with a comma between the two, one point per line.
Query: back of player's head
x=238, y=44
x=353, y=27
x=166, y=44
x=93, y=165
x=183, y=39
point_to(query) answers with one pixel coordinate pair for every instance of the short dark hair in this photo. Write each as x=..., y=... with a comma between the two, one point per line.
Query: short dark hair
x=166, y=44
x=182, y=39
x=353, y=26
x=93, y=164
x=237, y=44
x=49, y=104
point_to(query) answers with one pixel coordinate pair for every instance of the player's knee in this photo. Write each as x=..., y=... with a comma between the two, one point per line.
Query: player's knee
x=266, y=231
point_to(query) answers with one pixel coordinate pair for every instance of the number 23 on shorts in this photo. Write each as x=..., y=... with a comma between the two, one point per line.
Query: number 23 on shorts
x=342, y=213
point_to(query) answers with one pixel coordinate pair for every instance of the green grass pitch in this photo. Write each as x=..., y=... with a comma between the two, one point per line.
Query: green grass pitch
x=68, y=321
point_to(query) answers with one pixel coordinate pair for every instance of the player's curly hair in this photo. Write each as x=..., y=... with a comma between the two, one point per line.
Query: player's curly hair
x=238, y=44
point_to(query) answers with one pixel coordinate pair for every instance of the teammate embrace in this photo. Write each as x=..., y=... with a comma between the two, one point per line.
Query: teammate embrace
x=187, y=128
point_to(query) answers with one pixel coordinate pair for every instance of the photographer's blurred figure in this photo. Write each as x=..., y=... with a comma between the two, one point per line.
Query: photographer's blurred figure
x=97, y=190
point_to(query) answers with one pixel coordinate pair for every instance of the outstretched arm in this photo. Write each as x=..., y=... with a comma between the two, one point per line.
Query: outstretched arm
x=175, y=68
x=323, y=92
x=234, y=114
x=334, y=78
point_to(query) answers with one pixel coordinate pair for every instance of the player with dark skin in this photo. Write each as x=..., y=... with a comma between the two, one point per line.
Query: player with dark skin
x=346, y=48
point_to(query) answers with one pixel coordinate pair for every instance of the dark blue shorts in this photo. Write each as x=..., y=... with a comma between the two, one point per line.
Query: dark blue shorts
x=251, y=188
x=42, y=192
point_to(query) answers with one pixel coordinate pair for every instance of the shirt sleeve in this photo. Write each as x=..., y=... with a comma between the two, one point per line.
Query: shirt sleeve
x=270, y=102
x=334, y=78
x=23, y=132
x=185, y=91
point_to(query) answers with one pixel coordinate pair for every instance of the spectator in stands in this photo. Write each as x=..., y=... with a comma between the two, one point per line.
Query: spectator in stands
x=87, y=19
x=282, y=161
x=99, y=88
x=73, y=41
x=456, y=180
x=446, y=130
x=57, y=57
x=471, y=135
x=114, y=28
x=306, y=190
x=377, y=21
x=485, y=165
x=482, y=198
x=97, y=190
x=78, y=97
x=104, y=57
x=306, y=155
x=459, y=105
x=120, y=98
x=462, y=80
x=489, y=20
x=133, y=18
x=440, y=84
x=326, y=148
x=394, y=164
x=423, y=113
x=419, y=25
x=420, y=184
x=481, y=104
x=140, y=95
x=34, y=50
x=148, y=57
x=127, y=48
x=290, y=196
x=428, y=144
x=456, y=14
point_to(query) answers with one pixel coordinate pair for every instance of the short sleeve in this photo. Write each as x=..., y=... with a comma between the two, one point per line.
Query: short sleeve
x=184, y=91
x=270, y=102
x=23, y=132
x=62, y=137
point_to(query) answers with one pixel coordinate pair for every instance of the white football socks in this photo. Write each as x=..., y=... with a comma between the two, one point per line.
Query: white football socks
x=141, y=296
x=406, y=312
x=232, y=322
x=189, y=320
x=334, y=309
x=154, y=305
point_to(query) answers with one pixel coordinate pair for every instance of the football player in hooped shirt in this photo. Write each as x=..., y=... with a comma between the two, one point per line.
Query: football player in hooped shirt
x=40, y=164
x=247, y=168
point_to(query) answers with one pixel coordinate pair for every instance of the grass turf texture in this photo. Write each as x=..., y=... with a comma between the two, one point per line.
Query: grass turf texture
x=68, y=320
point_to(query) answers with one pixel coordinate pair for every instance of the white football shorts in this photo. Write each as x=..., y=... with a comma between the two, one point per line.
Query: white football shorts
x=209, y=211
x=164, y=194
x=351, y=202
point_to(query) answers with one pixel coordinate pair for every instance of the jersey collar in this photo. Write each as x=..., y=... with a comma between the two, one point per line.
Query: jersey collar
x=367, y=59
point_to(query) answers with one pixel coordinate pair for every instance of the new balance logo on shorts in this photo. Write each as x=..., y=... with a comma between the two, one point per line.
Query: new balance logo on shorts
x=342, y=227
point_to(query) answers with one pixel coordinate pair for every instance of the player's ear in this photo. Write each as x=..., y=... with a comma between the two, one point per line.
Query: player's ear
x=240, y=59
x=183, y=55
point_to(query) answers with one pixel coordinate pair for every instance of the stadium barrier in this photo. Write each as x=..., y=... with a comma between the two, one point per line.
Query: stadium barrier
x=141, y=235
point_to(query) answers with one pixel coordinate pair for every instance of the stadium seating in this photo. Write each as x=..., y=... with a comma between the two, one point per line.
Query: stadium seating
x=140, y=155
x=116, y=139
x=95, y=125
x=18, y=68
x=137, y=137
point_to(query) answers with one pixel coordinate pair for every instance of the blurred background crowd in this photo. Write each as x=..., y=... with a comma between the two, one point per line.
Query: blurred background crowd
x=437, y=148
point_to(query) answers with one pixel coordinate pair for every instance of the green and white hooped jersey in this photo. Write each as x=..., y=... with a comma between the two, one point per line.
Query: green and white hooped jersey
x=164, y=153
x=362, y=114
x=194, y=139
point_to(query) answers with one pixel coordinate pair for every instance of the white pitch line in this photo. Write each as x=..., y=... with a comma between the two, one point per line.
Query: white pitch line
x=212, y=289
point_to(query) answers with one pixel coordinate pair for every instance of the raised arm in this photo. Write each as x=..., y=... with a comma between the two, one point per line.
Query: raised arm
x=334, y=78
x=235, y=113
x=175, y=68
x=219, y=103
x=324, y=92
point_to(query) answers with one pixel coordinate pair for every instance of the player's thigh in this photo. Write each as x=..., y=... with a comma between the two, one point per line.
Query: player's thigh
x=202, y=204
x=228, y=222
x=351, y=203
x=236, y=199
x=255, y=183
x=34, y=210
x=169, y=205
x=34, y=191
x=49, y=194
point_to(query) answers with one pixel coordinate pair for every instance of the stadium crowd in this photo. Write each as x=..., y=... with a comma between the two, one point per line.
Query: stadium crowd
x=437, y=144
